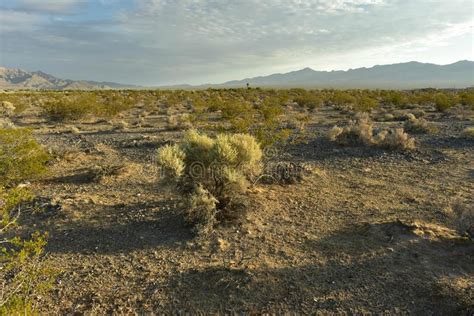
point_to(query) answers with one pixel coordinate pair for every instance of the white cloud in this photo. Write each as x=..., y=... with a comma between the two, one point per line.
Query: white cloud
x=162, y=41
x=17, y=21
x=49, y=6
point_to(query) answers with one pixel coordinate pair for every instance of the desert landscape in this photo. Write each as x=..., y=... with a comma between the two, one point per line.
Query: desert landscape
x=312, y=201
x=213, y=157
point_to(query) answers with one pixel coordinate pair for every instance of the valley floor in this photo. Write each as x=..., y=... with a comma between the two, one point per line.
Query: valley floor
x=366, y=230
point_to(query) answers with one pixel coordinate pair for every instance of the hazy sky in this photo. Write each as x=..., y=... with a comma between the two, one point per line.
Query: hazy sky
x=151, y=42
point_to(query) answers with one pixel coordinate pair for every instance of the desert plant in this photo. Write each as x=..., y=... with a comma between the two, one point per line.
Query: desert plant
x=468, y=133
x=212, y=173
x=177, y=122
x=467, y=98
x=442, y=101
x=21, y=157
x=394, y=139
x=309, y=101
x=360, y=132
x=420, y=125
x=22, y=274
x=70, y=107
x=340, y=98
x=6, y=123
x=366, y=103
x=462, y=214
x=357, y=132
x=6, y=108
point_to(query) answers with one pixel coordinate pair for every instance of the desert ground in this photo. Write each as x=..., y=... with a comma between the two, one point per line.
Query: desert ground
x=361, y=229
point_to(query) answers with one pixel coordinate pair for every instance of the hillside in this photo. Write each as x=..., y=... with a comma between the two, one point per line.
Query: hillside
x=409, y=75
x=14, y=78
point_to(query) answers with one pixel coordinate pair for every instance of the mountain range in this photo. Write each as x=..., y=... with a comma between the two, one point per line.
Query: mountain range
x=14, y=78
x=410, y=75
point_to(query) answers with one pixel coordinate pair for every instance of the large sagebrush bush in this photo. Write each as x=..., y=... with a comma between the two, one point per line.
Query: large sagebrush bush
x=211, y=173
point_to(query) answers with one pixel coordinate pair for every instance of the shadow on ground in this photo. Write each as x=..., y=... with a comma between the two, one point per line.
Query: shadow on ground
x=377, y=268
x=128, y=228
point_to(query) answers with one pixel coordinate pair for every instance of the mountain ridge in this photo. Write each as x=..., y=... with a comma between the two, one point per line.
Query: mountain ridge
x=408, y=75
x=17, y=78
x=396, y=76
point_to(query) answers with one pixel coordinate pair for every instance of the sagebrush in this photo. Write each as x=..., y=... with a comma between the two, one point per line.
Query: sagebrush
x=211, y=173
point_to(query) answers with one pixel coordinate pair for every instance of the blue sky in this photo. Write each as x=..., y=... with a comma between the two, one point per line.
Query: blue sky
x=153, y=42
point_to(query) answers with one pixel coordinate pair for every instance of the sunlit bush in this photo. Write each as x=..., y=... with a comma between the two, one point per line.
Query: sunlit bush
x=21, y=157
x=211, y=173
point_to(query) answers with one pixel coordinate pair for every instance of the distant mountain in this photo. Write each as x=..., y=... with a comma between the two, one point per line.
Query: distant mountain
x=14, y=78
x=409, y=75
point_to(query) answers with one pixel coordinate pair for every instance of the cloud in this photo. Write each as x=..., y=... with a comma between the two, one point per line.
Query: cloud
x=172, y=41
x=49, y=6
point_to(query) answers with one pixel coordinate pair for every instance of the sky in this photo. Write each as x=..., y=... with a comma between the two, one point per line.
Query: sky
x=159, y=42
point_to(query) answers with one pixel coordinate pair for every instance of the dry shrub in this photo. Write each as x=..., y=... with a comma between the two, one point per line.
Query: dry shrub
x=394, y=139
x=357, y=132
x=72, y=129
x=119, y=125
x=211, y=173
x=179, y=122
x=386, y=117
x=407, y=117
x=6, y=123
x=468, y=133
x=415, y=125
x=334, y=133
x=360, y=132
x=7, y=108
x=462, y=214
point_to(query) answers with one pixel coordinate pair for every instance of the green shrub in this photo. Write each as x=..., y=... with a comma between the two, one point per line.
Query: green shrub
x=366, y=103
x=21, y=157
x=212, y=173
x=396, y=98
x=442, y=101
x=64, y=108
x=113, y=104
x=309, y=101
x=467, y=98
x=340, y=98
x=78, y=105
x=22, y=274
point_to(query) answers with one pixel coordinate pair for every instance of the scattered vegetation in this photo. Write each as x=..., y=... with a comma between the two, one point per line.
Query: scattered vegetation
x=360, y=132
x=415, y=125
x=462, y=214
x=213, y=173
x=22, y=274
x=80, y=105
